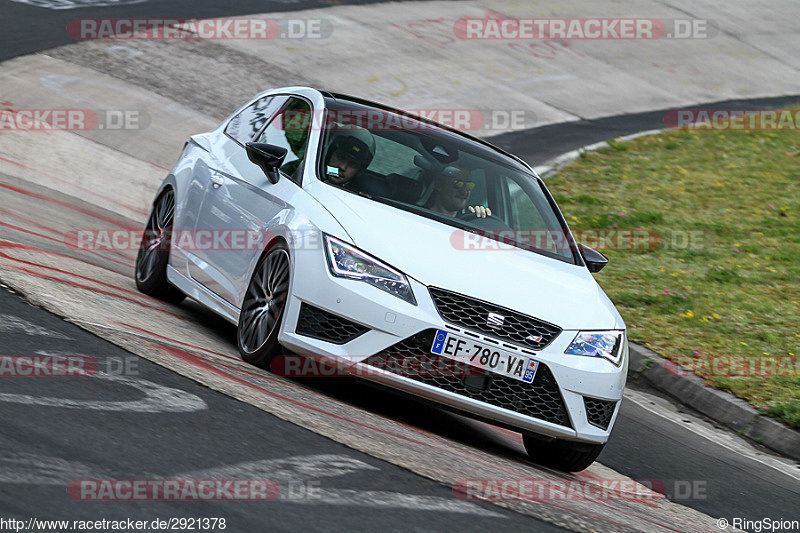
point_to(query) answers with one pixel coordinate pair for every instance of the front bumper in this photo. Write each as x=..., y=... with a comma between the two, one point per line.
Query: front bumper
x=573, y=397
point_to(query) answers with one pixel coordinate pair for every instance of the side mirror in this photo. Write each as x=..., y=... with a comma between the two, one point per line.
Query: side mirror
x=595, y=261
x=267, y=156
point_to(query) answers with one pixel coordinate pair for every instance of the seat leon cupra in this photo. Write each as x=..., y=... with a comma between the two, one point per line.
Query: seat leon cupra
x=423, y=258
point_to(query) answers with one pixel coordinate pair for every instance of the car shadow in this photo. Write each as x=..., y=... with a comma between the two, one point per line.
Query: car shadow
x=380, y=400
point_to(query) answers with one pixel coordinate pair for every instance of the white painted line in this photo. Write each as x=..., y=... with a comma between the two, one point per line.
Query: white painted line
x=302, y=468
x=22, y=467
x=395, y=500
x=73, y=4
x=664, y=409
x=295, y=468
x=158, y=399
x=550, y=167
x=11, y=323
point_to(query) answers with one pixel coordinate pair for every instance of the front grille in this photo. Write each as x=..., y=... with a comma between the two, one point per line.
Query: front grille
x=540, y=399
x=474, y=314
x=319, y=324
x=599, y=412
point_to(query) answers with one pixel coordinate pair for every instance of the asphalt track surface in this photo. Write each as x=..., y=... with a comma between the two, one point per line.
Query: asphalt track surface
x=538, y=145
x=25, y=29
x=324, y=485
x=644, y=445
x=125, y=444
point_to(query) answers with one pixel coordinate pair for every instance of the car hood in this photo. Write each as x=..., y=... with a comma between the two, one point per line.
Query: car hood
x=428, y=251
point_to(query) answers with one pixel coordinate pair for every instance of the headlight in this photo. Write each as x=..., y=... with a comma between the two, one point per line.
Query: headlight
x=606, y=344
x=347, y=261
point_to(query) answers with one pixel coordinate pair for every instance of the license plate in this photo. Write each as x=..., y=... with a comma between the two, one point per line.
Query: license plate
x=484, y=356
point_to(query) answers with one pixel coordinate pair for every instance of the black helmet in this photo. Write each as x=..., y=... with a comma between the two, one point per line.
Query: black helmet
x=356, y=143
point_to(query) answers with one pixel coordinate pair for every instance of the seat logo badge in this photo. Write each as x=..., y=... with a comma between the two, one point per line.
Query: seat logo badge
x=533, y=339
x=495, y=320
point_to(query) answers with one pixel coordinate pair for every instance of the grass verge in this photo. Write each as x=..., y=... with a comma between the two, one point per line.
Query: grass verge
x=703, y=235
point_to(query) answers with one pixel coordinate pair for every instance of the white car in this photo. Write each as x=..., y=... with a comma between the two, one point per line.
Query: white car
x=326, y=225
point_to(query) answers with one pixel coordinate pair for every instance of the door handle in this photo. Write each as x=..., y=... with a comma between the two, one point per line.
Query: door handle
x=217, y=180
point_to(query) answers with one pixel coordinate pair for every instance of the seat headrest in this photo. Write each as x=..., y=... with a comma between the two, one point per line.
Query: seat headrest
x=405, y=189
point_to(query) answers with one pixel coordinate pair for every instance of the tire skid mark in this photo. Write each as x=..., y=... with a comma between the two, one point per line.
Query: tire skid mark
x=191, y=358
x=195, y=360
x=208, y=364
x=433, y=436
x=82, y=210
x=591, y=478
x=166, y=341
x=94, y=289
x=12, y=244
x=67, y=272
x=81, y=187
x=145, y=334
x=61, y=234
x=151, y=333
x=35, y=234
x=31, y=221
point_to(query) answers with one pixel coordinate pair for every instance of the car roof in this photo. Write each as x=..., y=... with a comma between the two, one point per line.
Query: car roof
x=370, y=103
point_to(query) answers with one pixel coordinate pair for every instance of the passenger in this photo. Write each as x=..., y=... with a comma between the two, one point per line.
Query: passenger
x=451, y=194
x=350, y=152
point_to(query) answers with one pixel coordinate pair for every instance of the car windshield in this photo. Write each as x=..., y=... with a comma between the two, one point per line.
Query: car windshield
x=435, y=173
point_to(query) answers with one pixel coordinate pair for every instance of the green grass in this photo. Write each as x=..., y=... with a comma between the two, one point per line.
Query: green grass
x=717, y=287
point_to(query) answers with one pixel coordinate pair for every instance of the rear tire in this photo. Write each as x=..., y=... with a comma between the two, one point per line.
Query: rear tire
x=153, y=256
x=262, y=309
x=564, y=455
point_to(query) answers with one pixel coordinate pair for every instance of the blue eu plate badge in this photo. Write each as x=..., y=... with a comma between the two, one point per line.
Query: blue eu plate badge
x=438, y=342
x=530, y=371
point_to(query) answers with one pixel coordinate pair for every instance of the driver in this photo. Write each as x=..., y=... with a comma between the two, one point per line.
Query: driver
x=350, y=152
x=452, y=191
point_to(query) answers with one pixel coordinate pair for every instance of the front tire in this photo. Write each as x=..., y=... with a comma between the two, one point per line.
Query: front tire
x=564, y=455
x=153, y=256
x=262, y=309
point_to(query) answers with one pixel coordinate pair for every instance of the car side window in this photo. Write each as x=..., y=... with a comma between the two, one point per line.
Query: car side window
x=393, y=157
x=524, y=213
x=249, y=121
x=290, y=129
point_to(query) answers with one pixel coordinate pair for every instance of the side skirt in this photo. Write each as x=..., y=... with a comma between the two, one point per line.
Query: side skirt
x=195, y=291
